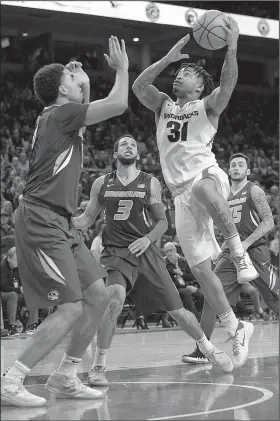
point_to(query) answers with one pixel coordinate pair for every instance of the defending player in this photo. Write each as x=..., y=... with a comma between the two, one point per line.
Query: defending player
x=185, y=133
x=129, y=196
x=253, y=218
x=55, y=266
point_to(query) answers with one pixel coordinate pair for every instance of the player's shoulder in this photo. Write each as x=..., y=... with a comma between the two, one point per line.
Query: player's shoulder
x=256, y=190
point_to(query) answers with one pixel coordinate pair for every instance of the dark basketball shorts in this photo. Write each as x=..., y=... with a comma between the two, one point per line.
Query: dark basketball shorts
x=267, y=283
x=146, y=277
x=55, y=266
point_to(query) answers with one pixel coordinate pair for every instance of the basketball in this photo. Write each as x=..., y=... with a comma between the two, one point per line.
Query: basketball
x=208, y=30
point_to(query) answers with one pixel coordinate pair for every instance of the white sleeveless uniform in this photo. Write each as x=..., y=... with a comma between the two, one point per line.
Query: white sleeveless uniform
x=184, y=139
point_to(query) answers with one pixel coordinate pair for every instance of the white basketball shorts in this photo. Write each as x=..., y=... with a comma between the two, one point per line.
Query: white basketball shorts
x=194, y=225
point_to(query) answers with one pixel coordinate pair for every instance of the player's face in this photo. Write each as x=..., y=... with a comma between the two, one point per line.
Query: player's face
x=238, y=169
x=187, y=82
x=71, y=87
x=127, y=151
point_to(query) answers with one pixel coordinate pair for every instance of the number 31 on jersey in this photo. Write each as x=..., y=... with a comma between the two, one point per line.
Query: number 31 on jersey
x=177, y=131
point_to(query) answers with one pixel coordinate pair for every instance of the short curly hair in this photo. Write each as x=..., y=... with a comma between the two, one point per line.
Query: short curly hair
x=116, y=144
x=200, y=72
x=46, y=83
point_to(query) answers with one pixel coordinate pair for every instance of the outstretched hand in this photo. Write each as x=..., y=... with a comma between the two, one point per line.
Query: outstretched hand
x=175, y=53
x=117, y=58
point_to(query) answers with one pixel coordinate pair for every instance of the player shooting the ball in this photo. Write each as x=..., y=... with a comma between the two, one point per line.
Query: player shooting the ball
x=185, y=132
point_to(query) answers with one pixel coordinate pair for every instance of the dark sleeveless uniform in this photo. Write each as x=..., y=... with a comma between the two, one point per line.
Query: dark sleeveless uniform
x=245, y=214
x=127, y=218
x=55, y=265
x=246, y=218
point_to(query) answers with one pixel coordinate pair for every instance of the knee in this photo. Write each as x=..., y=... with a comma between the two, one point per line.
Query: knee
x=97, y=295
x=72, y=311
x=117, y=298
x=203, y=187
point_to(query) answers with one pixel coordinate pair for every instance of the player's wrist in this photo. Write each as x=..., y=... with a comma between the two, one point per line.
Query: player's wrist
x=232, y=46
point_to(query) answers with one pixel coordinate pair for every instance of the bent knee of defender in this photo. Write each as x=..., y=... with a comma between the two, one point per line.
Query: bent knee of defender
x=71, y=311
x=117, y=298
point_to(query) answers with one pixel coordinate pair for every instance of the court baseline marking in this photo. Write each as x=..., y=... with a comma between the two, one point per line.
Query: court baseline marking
x=267, y=394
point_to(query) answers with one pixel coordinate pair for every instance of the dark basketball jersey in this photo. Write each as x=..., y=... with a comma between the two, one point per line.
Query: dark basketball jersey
x=56, y=157
x=245, y=214
x=126, y=209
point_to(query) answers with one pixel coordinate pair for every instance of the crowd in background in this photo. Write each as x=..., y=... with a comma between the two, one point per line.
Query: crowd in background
x=249, y=124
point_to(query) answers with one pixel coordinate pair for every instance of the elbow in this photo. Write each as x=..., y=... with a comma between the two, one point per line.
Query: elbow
x=122, y=107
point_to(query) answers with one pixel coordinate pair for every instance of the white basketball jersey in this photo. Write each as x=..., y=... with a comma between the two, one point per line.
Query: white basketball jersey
x=184, y=139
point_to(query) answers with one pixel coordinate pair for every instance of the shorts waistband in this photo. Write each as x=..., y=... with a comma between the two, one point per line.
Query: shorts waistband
x=31, y=201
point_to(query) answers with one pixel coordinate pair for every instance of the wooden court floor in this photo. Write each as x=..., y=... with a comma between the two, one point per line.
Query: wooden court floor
x=149, y=382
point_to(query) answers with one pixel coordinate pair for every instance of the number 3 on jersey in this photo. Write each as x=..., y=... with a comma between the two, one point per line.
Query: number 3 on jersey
x=176, y=132
x=123, y=211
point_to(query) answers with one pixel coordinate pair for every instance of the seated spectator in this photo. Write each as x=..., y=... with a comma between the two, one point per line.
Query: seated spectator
x=12, y=293
x=181, y=275
x=7, y=233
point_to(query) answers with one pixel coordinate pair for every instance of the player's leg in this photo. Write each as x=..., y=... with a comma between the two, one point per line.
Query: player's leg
x=196, y=236
x=212, y=191
x=268, y=282
x=250, y=290
x=152, y=268
x=226, y=272
x=116, y=285
x=49, y=276
x=95, y=301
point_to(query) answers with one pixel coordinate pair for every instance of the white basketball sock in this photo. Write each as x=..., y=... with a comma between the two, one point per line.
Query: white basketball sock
x=69, y=366
x=230, y=321
x=235, y=245
x=100, y=357
x=17, y=369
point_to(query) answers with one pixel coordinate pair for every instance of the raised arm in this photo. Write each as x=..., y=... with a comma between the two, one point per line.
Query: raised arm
x=93, y=208
x=264, y=212
x=218, y=100
x=117, y=101
x=148, y=94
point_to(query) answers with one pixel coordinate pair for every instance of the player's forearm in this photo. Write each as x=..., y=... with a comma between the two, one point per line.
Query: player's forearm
x=83, y=221
x=159, y=229
x=147, y=77
x=119, y=92
x=86, y=93
x=229, y=74
x=261, y=231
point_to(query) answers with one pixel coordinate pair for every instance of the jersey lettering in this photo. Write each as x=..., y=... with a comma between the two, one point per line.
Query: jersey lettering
x=123, y=211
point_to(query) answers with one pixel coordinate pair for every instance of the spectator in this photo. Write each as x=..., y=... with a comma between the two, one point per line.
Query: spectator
x=178, y=270
x=12, y=293
x=7, y=233
x=9, y=287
